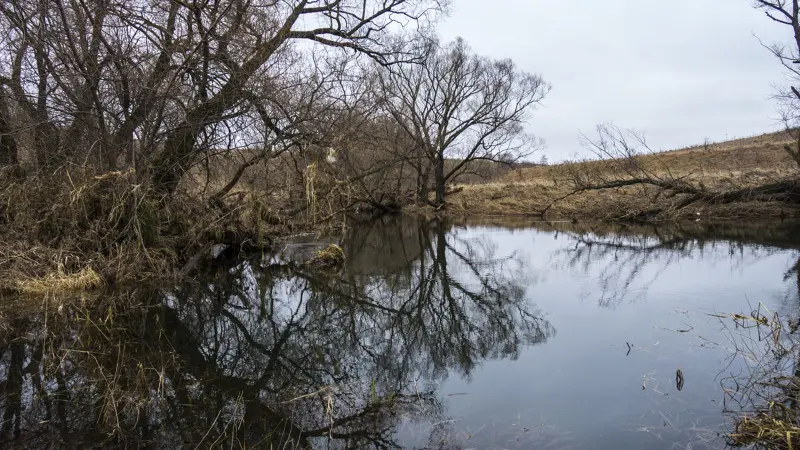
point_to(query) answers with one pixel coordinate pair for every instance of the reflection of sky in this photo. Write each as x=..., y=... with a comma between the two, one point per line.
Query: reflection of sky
x=580, y=388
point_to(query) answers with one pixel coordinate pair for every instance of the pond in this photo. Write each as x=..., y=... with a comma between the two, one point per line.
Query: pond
x=507, y=334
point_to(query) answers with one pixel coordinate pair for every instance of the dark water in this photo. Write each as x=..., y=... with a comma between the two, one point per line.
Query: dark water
x=509, y=335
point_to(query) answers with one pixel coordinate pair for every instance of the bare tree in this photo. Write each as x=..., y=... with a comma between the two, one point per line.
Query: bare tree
x=460, y=107
x=787, y=13
x=630, y=162
x=162, y=83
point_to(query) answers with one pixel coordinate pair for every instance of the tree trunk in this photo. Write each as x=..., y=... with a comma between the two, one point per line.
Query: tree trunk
x=422, y=186
x=8, y=146
x=439, y=180
x=178, y=156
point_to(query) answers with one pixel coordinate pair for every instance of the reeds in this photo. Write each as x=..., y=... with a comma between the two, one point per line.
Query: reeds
x=765, y=431
x=764, y=400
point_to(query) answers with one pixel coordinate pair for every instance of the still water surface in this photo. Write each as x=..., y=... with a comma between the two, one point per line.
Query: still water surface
x=433, y=335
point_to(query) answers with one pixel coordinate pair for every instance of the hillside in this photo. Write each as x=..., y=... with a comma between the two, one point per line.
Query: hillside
x=718, y=167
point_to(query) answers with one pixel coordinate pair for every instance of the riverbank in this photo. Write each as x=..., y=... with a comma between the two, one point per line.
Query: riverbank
x=559, y=191
x=79, y=230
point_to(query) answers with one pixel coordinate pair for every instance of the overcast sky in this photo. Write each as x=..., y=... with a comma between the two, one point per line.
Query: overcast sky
x=679, y=70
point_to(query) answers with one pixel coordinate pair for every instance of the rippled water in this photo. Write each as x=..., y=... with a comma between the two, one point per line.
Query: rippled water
x=433, y=335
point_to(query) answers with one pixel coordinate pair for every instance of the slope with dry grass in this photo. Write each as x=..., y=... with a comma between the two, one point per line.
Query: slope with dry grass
x=553, y=191
x=78, y=230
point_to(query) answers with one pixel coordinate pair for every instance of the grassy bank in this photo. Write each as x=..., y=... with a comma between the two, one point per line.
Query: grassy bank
x=78, y=230
x=714, y=168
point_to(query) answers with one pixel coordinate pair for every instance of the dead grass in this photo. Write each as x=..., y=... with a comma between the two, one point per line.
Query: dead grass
x=766, y=431
x=86, y=279
x=56, y=228
x=279, y=196
x=723, y=166
x=756, y=157
x=762, y=397
x=78, y=230
x=329, y=257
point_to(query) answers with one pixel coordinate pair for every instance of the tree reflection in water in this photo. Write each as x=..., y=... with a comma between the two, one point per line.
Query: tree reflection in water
x=627, y=257
x=262, y=353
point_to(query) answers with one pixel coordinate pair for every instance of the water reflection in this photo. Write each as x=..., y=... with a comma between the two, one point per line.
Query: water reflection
x=586, y=389
x=628, y=258
x=454, y=305
x=262, y=353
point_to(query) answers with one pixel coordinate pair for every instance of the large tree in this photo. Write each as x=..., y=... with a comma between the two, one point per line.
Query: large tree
x=459, y=107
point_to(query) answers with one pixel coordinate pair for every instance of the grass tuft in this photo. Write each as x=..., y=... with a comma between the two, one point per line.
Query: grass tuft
x=330, y=256
x=86, y=279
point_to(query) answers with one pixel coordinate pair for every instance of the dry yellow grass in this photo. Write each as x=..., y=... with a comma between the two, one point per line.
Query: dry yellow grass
x=759, y=156
x=59, y=281
x=719, y=167
x=766, y=431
